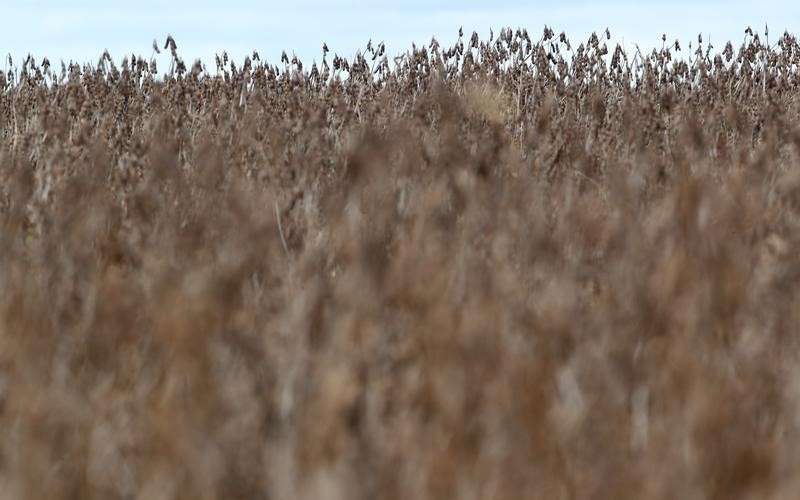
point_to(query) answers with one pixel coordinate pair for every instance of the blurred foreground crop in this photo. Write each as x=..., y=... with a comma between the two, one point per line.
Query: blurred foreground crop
x=512, y=268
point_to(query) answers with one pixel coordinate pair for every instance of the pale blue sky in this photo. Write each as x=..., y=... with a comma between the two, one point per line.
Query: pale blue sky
x=81, y=30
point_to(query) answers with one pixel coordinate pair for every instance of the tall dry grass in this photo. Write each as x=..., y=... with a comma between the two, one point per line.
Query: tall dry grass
x=511, y=268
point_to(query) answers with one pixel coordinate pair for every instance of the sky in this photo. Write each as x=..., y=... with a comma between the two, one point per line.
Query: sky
x=81, y=30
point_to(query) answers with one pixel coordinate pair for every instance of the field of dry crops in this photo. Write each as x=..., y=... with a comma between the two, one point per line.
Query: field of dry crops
x=518, y=267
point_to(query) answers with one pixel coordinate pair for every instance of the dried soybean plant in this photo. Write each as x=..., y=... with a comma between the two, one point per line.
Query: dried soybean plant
x=515, y=267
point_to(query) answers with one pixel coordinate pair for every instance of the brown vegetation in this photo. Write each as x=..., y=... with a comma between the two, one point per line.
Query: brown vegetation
x=508, y=269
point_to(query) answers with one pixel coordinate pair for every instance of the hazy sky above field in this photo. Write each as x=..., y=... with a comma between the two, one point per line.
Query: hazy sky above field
x=81, y=30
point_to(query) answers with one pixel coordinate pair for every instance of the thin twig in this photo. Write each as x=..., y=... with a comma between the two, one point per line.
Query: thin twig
x=586, y=177
x=280, y=229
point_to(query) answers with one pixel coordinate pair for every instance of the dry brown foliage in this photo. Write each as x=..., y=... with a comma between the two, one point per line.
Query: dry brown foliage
x=511, y=268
